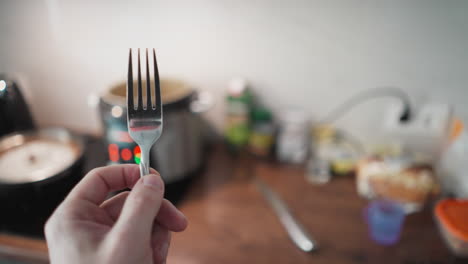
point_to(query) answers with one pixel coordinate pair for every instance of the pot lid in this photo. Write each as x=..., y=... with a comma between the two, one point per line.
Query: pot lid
x=37, y=155
x=172, y=91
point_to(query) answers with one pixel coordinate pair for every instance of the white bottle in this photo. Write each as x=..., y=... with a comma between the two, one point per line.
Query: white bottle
x=452, y=167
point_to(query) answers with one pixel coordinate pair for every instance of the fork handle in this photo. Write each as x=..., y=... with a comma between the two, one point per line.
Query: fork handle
x=144, y=161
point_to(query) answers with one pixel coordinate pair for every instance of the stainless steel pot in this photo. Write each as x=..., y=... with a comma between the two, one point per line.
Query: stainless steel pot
x=37, y=170
x=179, y=151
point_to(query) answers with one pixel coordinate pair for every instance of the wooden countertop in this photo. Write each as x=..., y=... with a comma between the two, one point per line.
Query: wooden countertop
x=230, y=222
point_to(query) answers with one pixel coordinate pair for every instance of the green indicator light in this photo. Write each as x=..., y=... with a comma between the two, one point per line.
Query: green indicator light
x=137, y=159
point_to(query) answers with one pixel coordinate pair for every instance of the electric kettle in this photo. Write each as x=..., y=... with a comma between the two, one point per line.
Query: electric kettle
x=14, y=111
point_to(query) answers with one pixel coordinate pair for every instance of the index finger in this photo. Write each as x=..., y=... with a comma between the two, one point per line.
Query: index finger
x=97, y=184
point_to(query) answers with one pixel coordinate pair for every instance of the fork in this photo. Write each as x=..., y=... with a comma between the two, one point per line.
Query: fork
x=145, y=123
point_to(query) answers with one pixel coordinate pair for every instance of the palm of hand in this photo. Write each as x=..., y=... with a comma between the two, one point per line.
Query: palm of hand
x=127, y=228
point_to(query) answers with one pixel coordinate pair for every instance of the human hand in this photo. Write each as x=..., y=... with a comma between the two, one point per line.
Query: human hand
x=131, y=227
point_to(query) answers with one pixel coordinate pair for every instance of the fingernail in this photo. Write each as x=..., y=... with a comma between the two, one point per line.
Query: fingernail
x=152, y=180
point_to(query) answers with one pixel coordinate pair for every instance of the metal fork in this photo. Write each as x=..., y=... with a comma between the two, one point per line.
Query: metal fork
x=145, y=123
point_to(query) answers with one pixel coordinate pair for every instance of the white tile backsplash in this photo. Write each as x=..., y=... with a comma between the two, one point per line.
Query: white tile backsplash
x=311, y=54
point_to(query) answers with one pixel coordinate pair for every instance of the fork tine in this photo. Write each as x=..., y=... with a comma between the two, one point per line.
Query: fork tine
x=148, y=84
x=130, y=83
x=157, y=88
x=140, y=94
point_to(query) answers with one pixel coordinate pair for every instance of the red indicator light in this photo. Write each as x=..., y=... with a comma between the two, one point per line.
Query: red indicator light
x=126, y=154
x=137, y=154
x=113, y=152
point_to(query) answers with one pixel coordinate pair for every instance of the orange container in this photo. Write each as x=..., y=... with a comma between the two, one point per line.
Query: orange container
x=452, y=218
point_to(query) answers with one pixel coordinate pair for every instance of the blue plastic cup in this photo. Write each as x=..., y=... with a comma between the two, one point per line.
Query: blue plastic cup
x=385, y=221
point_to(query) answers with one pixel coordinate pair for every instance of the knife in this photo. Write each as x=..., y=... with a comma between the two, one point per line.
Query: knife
x=295, y=230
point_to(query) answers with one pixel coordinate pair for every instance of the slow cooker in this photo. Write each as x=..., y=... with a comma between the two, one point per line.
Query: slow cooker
x=179, y=152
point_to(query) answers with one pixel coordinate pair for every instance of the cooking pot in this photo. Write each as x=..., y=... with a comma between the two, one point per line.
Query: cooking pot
x=37, y=170
x=179, y=151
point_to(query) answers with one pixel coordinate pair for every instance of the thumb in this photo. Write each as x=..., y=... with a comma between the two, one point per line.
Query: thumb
x=135, y=222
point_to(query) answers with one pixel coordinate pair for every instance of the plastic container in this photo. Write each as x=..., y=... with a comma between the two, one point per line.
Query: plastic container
x=293, y=139
x=385, y=221
x=452, y=219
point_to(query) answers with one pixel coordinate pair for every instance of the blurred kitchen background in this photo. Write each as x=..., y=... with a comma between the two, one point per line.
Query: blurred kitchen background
x=309, y=54
x=279, y=67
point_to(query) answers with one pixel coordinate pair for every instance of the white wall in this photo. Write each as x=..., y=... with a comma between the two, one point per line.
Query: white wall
x=310, y=54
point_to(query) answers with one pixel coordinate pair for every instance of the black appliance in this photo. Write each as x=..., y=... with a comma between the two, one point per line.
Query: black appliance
x=14, y=111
